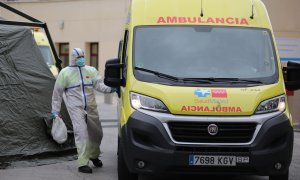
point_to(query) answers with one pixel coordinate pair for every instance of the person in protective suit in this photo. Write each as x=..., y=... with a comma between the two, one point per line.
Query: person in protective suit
x=78, y=82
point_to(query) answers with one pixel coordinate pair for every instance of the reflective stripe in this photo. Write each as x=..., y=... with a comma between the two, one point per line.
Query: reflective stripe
x=71, y=87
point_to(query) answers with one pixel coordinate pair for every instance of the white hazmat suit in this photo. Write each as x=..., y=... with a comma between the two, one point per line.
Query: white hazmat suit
x=78, y=84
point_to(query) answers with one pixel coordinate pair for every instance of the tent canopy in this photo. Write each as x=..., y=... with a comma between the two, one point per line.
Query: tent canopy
x=26, y=86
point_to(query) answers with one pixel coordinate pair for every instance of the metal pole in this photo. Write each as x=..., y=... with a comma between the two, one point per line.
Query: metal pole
x=19, y=13
x=34, y=23
x=57, y=60
x=15, y=23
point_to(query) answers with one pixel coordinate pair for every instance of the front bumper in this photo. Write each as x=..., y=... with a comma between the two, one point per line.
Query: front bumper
x=144, y=138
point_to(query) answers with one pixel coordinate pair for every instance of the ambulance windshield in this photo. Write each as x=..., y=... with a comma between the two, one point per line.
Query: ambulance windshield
x=205, y=52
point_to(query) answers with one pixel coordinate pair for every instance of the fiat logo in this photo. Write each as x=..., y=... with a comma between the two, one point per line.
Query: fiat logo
x=213, y=129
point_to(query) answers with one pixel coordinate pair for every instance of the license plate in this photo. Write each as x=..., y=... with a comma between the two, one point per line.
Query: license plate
x=197, y=160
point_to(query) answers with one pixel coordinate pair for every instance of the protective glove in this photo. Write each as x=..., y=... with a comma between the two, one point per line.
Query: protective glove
x=54, y=115
x=113, y=90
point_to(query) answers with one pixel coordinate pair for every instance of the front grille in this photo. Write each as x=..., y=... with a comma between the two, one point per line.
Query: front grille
x=197, y=132
x=188, y=149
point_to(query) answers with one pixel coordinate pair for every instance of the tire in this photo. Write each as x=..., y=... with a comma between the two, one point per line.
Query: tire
x=123, y=172
x=280, y=177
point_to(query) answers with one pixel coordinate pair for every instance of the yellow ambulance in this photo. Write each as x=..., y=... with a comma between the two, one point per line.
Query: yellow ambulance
x=44, y=46
x=202, y=91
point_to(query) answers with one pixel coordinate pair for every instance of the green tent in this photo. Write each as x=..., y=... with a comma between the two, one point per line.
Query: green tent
x=26, y=86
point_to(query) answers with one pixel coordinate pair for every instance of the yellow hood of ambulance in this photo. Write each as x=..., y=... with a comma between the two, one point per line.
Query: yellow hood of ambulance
x=210, y=101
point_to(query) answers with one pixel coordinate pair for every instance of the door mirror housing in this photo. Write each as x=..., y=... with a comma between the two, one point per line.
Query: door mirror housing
x=113, y=70
x=292, y=72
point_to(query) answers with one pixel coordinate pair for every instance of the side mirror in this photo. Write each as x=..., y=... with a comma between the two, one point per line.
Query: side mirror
x=113, y=73
x=292, y=72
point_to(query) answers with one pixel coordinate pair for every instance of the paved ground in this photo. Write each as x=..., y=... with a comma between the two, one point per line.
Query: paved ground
x=68, y=170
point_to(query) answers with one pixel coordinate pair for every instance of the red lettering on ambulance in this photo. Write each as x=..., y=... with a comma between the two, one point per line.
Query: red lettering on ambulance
x=206, y=109
x=172, y=19
x=230, y=20
x=161, y=20
x=244, y=21
x=210, y=20
x=237, y=21
x=193, y=108
x=200, y=108
x=200, y=20
x=231, y=109
x=220, y=20
x=182, y=20
x=192, y=20
x=212, y=109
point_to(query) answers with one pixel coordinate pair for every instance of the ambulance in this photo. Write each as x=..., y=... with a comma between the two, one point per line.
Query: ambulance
x=202, y=91
x=44, y=46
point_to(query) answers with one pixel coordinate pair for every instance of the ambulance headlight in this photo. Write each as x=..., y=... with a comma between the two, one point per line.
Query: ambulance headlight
x=139, y=101
x=272, y=105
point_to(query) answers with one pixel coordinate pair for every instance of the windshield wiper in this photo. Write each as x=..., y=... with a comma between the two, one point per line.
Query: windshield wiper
x=247, y=81
x=198, y=80
x=161, y=75
x=216, y=80
x=234, y=80
x=169, y=77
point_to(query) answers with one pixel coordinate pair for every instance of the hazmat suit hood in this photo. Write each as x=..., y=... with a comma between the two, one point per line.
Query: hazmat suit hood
x=76, y=53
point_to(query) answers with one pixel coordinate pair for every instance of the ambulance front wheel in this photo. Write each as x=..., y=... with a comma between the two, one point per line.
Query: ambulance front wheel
x=123, y=172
